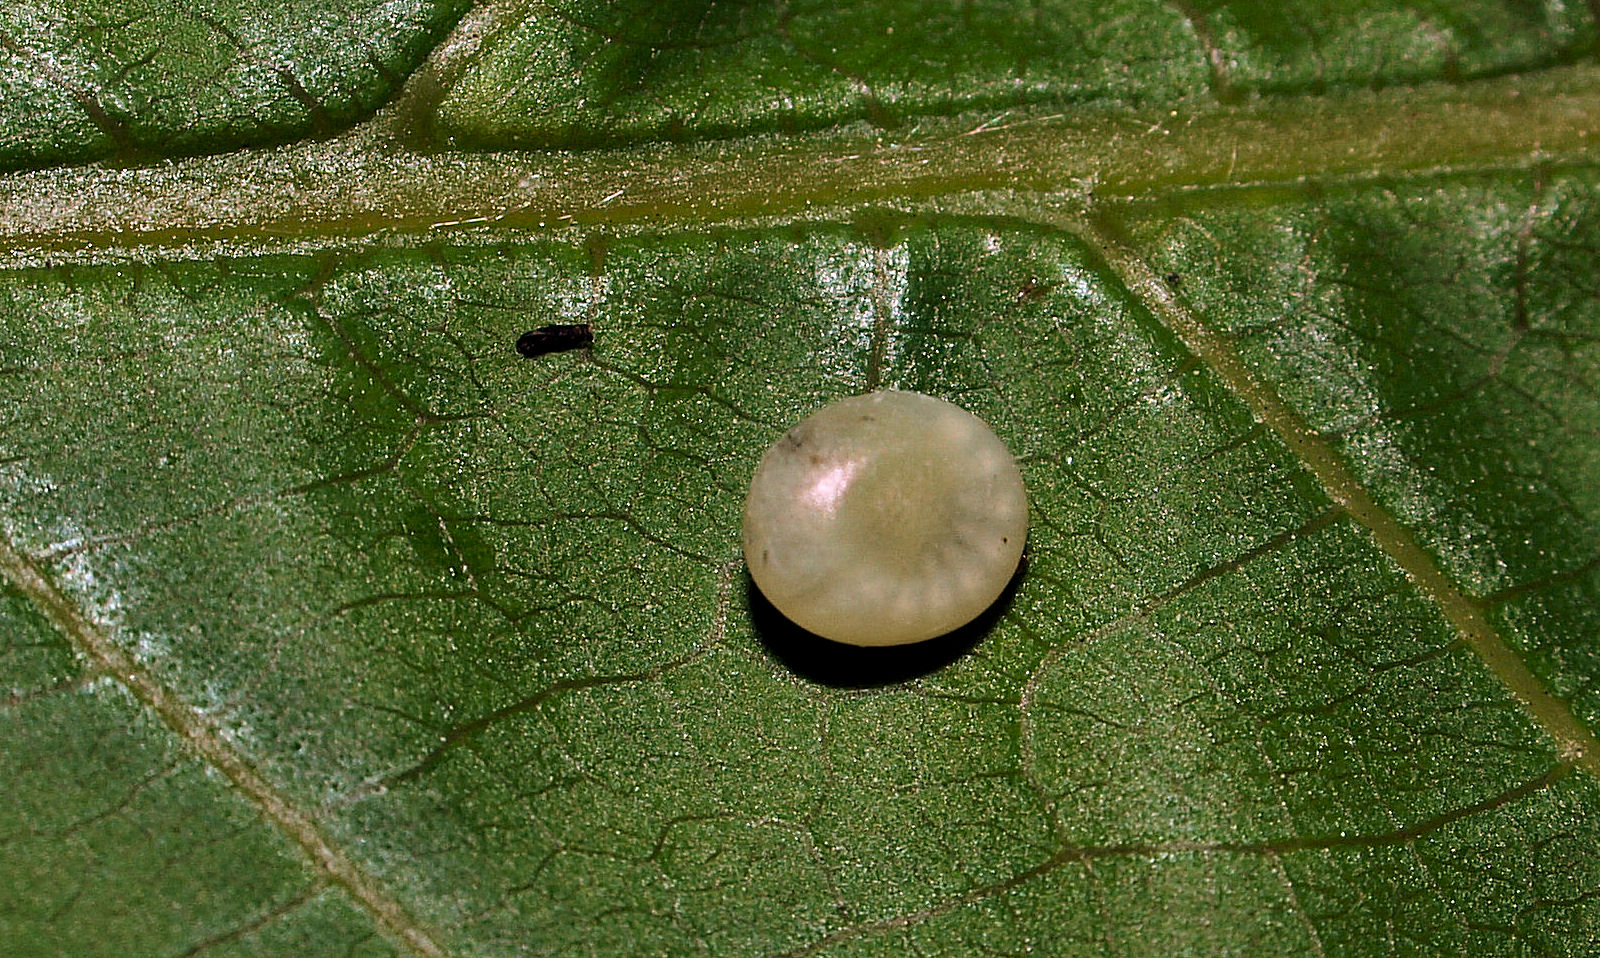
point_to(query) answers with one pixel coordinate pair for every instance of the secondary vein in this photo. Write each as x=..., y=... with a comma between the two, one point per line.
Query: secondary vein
x=1575, y=742
x=206, y=741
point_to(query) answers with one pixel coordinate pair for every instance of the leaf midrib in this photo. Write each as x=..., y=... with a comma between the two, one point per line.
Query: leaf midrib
x=361, y=184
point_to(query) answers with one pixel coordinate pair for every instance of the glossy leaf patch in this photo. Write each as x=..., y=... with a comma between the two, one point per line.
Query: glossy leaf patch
x=138, y=79
x=418, y=573
x=332, y=623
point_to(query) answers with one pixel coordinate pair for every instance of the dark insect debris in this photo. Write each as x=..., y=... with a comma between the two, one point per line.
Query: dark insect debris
x=1033, y=289
x=555, y=339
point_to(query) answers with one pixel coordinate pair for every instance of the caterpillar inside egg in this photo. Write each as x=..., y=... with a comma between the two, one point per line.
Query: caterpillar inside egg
x=885, y=519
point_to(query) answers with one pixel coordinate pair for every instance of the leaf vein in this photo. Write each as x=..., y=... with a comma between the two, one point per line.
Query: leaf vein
x=210, y=745
x=1468, y=615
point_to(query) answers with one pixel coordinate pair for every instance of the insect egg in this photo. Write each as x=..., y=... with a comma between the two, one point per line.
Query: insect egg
x=885, y=519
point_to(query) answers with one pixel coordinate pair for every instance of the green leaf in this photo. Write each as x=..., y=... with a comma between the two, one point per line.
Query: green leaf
x=576, y=73
x=330, y=625
x=131, y=79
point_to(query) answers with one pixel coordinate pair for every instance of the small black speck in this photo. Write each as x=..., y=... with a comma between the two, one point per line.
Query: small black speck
x=1004, y=540
x=1174, y=280
x=555, y=339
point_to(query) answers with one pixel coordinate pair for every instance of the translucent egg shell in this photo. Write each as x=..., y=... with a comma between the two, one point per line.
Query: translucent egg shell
x=885, y=519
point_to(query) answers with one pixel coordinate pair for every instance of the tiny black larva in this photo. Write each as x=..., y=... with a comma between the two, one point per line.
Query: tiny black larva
x=885, y=519
x=555, y=338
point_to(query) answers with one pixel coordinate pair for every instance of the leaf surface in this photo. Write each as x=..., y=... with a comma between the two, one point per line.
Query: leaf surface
x=330, y=625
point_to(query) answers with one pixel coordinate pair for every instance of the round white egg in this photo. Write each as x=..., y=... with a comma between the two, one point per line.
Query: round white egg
x=885, y=519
